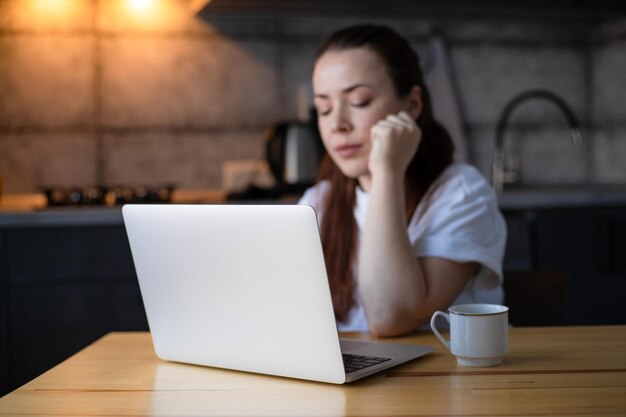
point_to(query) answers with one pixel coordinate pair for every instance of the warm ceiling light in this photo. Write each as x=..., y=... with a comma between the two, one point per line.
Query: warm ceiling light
x=141, y=5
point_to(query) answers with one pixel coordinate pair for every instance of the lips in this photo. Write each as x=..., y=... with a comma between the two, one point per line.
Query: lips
x=348, y=150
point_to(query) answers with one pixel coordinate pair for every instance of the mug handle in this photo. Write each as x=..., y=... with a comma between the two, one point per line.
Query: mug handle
x=445, y=342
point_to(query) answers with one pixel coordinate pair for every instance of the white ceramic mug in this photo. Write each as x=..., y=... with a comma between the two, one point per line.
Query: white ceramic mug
x=479, y=333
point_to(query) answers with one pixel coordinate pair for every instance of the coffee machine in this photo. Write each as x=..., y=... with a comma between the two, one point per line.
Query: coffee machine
x=294, y=151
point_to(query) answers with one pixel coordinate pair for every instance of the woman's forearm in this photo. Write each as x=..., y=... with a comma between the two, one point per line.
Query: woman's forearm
x=391, y=281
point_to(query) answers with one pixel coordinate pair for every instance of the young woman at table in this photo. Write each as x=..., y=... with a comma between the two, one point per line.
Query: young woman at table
x=405, y=230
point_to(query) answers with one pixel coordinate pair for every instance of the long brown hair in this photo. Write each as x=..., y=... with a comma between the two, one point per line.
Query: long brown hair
x=338, y=226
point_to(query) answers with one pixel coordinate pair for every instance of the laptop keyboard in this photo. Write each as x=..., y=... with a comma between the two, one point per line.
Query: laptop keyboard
x=353, y=363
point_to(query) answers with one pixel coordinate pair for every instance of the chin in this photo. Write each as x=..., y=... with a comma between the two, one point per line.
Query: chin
x=352, y=169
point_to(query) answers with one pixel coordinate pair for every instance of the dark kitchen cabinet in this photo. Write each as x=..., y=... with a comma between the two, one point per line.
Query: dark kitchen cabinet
x=62, y=288
x=4, y=330
x=585, y=244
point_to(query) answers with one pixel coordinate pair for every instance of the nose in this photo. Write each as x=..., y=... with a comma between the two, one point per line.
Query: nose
x=341, y=127
x=340, y=122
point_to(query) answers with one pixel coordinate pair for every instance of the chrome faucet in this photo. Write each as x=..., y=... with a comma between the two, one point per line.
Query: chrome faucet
x=502, y=174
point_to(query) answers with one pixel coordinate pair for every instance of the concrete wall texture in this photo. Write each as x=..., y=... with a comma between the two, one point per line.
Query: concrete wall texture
x=92, y=92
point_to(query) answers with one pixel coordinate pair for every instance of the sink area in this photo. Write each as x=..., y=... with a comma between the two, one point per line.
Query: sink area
x=562, y=195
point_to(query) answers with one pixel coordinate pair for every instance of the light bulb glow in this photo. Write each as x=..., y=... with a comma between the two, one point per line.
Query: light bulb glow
x=141, y=5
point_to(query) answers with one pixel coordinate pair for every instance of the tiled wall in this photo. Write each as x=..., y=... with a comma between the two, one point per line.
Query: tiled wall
x=609, y=102
x=93, y=92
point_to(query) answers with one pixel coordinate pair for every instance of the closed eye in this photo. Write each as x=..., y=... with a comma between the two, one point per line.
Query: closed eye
x=322, y=105
x=323, y=112
x=361, y=103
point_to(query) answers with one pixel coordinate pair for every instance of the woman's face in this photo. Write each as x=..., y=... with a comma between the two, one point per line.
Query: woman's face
x=352, y=91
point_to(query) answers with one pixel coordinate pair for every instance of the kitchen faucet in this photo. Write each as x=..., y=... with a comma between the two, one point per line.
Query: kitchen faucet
x=500, y=173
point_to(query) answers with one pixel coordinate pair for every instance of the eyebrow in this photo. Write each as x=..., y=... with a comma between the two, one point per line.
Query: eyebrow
x=345, y=90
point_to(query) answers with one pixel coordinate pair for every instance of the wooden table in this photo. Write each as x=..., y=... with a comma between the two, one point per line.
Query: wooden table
x=569, y=371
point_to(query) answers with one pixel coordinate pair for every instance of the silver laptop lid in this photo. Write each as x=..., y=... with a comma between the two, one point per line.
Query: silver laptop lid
x=238, y=287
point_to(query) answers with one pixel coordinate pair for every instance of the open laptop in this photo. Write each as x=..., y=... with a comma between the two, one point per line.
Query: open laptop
x=244, y=287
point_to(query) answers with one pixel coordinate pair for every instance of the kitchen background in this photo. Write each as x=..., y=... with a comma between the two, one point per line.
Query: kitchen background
x=146, y=92
x=153, y=92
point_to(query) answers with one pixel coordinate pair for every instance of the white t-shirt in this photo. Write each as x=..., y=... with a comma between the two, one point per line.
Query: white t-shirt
x=457, y=219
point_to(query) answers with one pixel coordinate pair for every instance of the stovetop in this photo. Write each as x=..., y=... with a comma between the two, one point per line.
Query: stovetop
x=107, y=196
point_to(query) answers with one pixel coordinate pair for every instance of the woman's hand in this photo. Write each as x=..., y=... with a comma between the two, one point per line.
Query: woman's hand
x=395, y=140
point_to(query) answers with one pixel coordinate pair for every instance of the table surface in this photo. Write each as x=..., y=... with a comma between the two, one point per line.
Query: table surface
x=570, y=371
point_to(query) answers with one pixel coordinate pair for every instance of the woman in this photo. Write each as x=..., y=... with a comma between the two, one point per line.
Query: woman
x=405, y=230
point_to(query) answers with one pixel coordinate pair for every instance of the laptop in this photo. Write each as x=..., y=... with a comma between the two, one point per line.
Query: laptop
x=244, y=287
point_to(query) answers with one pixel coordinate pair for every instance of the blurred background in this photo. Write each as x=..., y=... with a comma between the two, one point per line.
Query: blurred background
x=181, y=91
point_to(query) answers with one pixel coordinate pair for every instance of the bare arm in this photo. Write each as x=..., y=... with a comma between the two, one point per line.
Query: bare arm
x=399, y=292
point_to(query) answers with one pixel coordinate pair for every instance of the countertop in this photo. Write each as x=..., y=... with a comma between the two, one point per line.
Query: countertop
x=562, y=196
x=17, y=210
x=30, y=209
